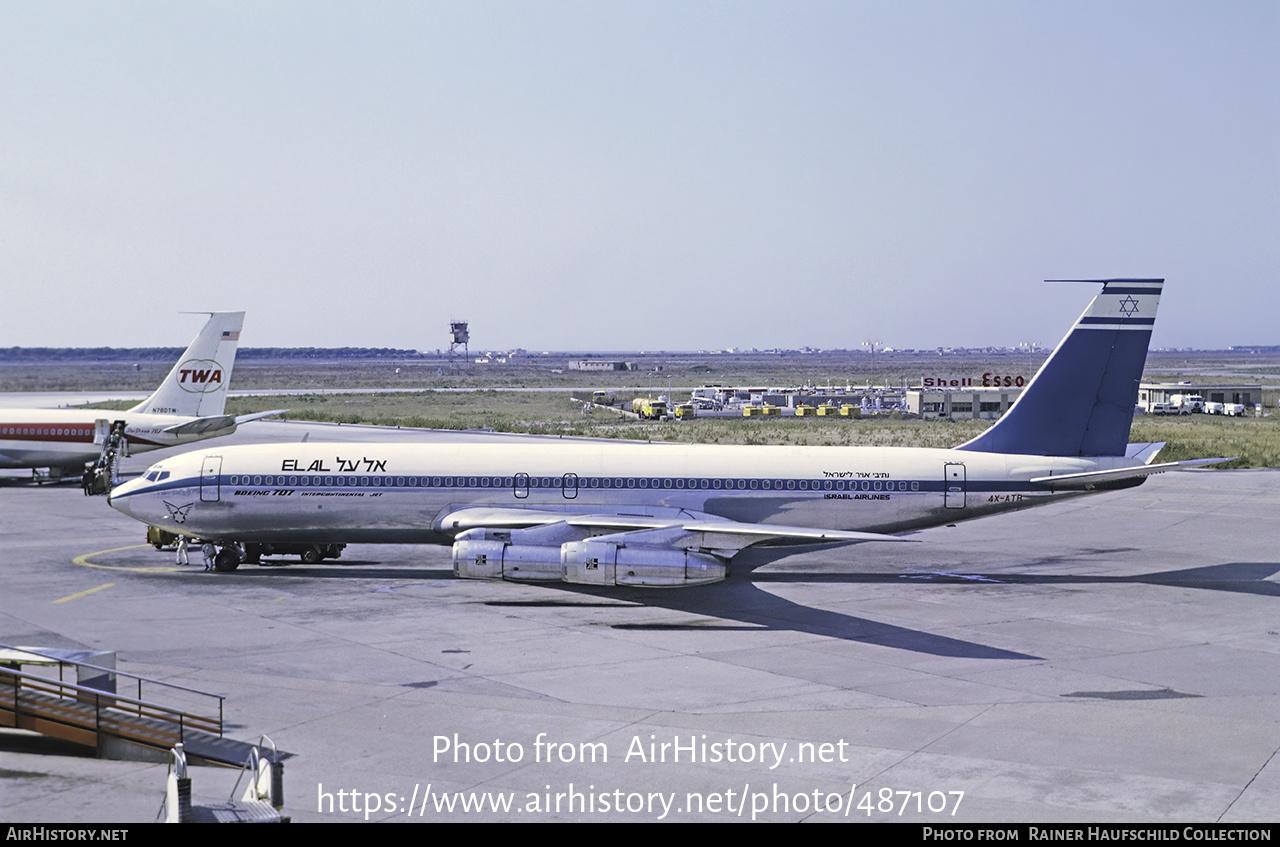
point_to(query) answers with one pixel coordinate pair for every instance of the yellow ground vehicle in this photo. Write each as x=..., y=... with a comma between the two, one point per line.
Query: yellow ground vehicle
x=803, y=410
x=752, y=411
x=686, y=410
x=160, y=538
x=771, y=410
x=828, y=409
x=649, y=409
x=848, y=410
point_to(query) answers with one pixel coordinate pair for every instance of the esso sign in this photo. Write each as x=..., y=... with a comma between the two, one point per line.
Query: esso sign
x=990, y=380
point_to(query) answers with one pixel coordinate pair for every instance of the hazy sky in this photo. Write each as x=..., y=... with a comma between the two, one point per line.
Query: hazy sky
x=635, y=175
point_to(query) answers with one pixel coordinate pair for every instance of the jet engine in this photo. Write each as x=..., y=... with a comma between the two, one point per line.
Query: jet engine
x=487, y=554
x=594, y=562
x=496, y=559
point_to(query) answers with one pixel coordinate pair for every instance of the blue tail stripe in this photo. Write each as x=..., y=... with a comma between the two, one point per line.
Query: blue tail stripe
x=1122, y=289
x=1127, y=321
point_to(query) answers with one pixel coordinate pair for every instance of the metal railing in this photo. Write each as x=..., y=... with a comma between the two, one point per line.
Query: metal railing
x=91, y=709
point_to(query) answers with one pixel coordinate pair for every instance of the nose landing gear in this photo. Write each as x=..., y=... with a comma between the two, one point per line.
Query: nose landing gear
x=228, y=559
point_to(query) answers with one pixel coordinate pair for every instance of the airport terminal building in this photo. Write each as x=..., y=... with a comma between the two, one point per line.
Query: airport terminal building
x=961, y=404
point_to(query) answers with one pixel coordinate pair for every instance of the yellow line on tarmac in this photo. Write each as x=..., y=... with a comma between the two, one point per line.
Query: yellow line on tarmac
x=83, y=561
x=83, y=593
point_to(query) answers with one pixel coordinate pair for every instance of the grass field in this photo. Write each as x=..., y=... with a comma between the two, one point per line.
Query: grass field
x=1256, y=440
x=426, y=401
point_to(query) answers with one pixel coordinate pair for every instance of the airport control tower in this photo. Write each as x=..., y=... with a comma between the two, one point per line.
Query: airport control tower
x=459, y=336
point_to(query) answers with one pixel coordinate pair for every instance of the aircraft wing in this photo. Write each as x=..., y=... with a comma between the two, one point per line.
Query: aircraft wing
x=198, y=426
x=465, y=519
x=1098, y=479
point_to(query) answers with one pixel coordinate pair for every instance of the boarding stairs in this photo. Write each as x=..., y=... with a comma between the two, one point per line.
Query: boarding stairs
x=262, y=801
x=105, y=472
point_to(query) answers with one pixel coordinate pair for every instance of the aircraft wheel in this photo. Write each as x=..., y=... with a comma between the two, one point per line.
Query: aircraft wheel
x=226, y=560
x=310, y=556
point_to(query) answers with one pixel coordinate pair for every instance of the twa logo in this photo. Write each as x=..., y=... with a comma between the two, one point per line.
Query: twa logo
x=200, y=376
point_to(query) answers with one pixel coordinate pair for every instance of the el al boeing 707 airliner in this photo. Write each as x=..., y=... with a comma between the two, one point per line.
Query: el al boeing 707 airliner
x=602, y=513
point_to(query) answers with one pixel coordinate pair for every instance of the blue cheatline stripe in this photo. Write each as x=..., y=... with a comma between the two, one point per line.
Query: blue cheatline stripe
x=505, y=485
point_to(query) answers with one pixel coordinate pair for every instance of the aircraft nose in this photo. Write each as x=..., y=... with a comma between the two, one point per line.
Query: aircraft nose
x=118, y=497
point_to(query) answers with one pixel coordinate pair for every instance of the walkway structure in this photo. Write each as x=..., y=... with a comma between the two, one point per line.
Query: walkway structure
x=93, y=717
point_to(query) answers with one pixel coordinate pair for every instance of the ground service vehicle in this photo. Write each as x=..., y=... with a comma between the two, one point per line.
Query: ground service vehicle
x=308, y=553
x=649, y=409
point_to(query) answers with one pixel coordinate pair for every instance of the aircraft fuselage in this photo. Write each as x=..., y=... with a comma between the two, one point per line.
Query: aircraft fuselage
x=398, y=493
x=38, y=438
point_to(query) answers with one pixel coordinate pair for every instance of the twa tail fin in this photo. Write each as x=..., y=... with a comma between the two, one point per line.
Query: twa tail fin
x=197, y=385
x=1081, y=401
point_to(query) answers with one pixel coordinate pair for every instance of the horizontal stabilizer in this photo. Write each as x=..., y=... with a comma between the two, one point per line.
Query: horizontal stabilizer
x=1098, y=479
x=241, y=419
x=213, y=423
x=1144, y=452
x=199, y=426
x=486, y=518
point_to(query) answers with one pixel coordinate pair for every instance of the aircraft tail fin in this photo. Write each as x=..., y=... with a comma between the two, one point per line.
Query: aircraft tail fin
x=1081, y=401
x=197, y=385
